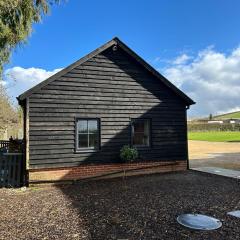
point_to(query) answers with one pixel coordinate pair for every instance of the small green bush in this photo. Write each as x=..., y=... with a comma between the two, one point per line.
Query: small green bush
x=128, y=154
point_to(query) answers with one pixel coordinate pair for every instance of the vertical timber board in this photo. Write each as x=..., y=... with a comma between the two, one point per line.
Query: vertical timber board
x=5, y=169
x=186, y=137
x=27, y=134
x=18, y=170
x=1, y=172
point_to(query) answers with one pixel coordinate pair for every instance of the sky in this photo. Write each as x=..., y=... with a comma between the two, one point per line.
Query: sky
x=195, y=44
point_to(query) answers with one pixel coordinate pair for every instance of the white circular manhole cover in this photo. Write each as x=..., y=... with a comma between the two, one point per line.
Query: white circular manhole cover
x=199, y=222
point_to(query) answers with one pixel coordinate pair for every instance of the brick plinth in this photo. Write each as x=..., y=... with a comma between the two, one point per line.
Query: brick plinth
x=104, y=170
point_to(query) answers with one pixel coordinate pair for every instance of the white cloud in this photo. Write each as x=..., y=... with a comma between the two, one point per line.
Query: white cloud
x=18, y=79
x=182, y=59
x=211, y=78
x=3, y=83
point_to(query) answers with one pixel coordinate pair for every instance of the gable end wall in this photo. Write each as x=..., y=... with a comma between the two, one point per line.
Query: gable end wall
x=114, y=88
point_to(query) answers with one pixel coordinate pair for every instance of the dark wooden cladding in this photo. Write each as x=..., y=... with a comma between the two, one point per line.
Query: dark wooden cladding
x=93, y=97
x=114, y=87
x=81, y=104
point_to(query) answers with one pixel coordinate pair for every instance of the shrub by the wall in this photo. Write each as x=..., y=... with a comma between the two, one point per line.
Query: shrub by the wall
x=128, y=154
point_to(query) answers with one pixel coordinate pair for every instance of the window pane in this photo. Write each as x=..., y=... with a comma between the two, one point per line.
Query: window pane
x=93, y=141
x=138, y=139
x=139, y=126
x=141, y=133
x=146, y=140
x=92, y=126
x=82, y=126
x=82, y=140
x=146, y=132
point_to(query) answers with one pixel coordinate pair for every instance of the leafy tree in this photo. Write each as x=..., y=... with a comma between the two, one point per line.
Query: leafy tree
x=16, y=20
x=8, y=114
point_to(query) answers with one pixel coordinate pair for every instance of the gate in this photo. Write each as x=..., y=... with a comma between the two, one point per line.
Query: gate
x=12, y=167
x=11, y=170
x=4, y=145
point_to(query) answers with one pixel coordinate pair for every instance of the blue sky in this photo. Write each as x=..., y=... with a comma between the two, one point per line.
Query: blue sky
x=171, y=35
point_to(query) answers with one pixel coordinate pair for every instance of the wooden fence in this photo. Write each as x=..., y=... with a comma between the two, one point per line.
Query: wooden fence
x=12, y=165
x=4, y=144
x=12, y=173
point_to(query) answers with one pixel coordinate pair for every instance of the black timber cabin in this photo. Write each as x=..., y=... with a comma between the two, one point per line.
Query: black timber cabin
x=76, y=121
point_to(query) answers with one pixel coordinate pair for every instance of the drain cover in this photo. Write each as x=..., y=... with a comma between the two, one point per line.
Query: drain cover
x=235, y=213
x=199, y=222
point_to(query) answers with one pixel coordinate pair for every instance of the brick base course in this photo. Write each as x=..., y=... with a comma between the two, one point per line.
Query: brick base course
x=103, y=171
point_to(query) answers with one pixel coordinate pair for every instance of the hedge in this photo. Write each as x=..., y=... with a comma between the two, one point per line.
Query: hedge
x=200, y=127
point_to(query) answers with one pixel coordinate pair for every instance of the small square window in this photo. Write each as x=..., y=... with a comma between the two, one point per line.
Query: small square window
x=140, y=132
x=87, y=134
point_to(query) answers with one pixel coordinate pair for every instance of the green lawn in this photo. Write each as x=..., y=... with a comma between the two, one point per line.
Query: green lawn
x=215, y=136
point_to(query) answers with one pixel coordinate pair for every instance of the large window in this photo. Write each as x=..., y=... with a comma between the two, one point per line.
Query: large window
x=87, y=134
x=141, y=132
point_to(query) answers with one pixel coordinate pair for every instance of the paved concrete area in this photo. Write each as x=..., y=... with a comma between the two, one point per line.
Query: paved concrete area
x=219, y=171
x=235, y=213
x=214, y=154
x=220, y=160
x=204, y=149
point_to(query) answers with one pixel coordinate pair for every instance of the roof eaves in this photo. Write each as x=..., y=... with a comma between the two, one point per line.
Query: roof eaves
x=154, y=72
x=66, y=70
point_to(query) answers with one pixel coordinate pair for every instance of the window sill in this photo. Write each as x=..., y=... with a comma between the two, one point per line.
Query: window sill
x=87, y=151
x=142, y=147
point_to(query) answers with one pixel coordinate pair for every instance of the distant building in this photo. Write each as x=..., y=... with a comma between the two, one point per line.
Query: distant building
x=215, y=121
x=232, y=121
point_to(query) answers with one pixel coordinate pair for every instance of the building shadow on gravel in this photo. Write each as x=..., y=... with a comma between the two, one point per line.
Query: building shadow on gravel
x=146, y=207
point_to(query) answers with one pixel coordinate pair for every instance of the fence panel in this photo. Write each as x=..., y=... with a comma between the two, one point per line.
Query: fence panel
x=4, y=144
x=12, y=172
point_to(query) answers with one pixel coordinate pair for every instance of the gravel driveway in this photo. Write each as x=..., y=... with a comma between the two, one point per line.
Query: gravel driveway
x=143, y=207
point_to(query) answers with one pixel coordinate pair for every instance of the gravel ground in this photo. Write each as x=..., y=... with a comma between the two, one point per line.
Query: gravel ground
x=143, y=207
